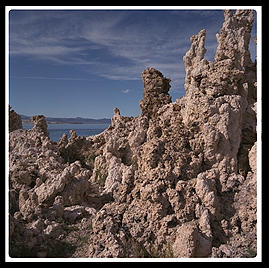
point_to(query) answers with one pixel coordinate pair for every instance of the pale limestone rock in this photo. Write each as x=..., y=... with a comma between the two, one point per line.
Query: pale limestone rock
x=252, y=156
x=116, y=117
x=206, y=190
x=184, y=245
x=114, y=175
x=234, y=37
x=179, y=180
x=40, y=124
x=194, y=60
x=204, y=224
x=49, y=189
x=138, y=135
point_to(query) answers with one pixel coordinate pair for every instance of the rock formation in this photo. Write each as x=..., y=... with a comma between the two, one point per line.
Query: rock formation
x=179, y=180
x=155, y=95
x=40, y=124
x=14, y=120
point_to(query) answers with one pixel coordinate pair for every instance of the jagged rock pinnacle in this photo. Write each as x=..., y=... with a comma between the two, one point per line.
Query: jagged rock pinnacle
x=155, y=95
x=233, y=38
x=40, y=123
x=179, y=180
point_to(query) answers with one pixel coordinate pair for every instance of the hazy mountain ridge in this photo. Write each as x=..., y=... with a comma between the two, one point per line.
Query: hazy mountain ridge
x=68, y=120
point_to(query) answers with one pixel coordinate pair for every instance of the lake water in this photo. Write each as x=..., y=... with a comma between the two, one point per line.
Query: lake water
x=56, y=130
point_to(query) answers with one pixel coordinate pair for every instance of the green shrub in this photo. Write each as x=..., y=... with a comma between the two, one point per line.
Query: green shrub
x=251, y=253
x=101, y=176
x=91, y=159
x=141, y=252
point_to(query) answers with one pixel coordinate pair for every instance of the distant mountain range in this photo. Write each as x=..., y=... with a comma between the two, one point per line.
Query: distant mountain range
x=75, y=120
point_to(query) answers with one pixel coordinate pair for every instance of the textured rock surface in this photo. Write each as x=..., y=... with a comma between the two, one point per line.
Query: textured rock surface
x=155, y=95
x=15, y=121
x=40, y=124
x=179, y=180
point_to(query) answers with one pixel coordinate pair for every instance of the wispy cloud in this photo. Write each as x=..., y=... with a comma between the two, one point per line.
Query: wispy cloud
x=50, y=78
x=44, y=51
x=117, y=45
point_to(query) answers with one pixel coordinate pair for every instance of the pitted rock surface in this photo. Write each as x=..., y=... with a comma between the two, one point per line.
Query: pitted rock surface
x=179, y=180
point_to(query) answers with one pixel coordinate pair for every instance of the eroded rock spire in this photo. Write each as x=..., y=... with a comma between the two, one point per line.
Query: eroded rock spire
x=234, y=36
x=194, y=60
x=155, y=95
x=40, y=123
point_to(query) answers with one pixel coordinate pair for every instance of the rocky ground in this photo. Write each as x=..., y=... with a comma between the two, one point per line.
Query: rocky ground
x=179, y=180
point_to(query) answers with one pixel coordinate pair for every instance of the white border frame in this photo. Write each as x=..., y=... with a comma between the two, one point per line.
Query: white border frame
x=258, y=258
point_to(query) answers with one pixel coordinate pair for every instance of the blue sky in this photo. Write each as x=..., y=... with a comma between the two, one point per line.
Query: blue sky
x=69, y=63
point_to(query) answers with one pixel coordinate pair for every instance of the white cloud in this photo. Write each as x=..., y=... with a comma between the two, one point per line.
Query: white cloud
x=43, y=50
x=50, y=78
x=125, y=91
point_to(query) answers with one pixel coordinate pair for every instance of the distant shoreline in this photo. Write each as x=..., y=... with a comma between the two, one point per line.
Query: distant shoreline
x=59, y=122
x=76, y=120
